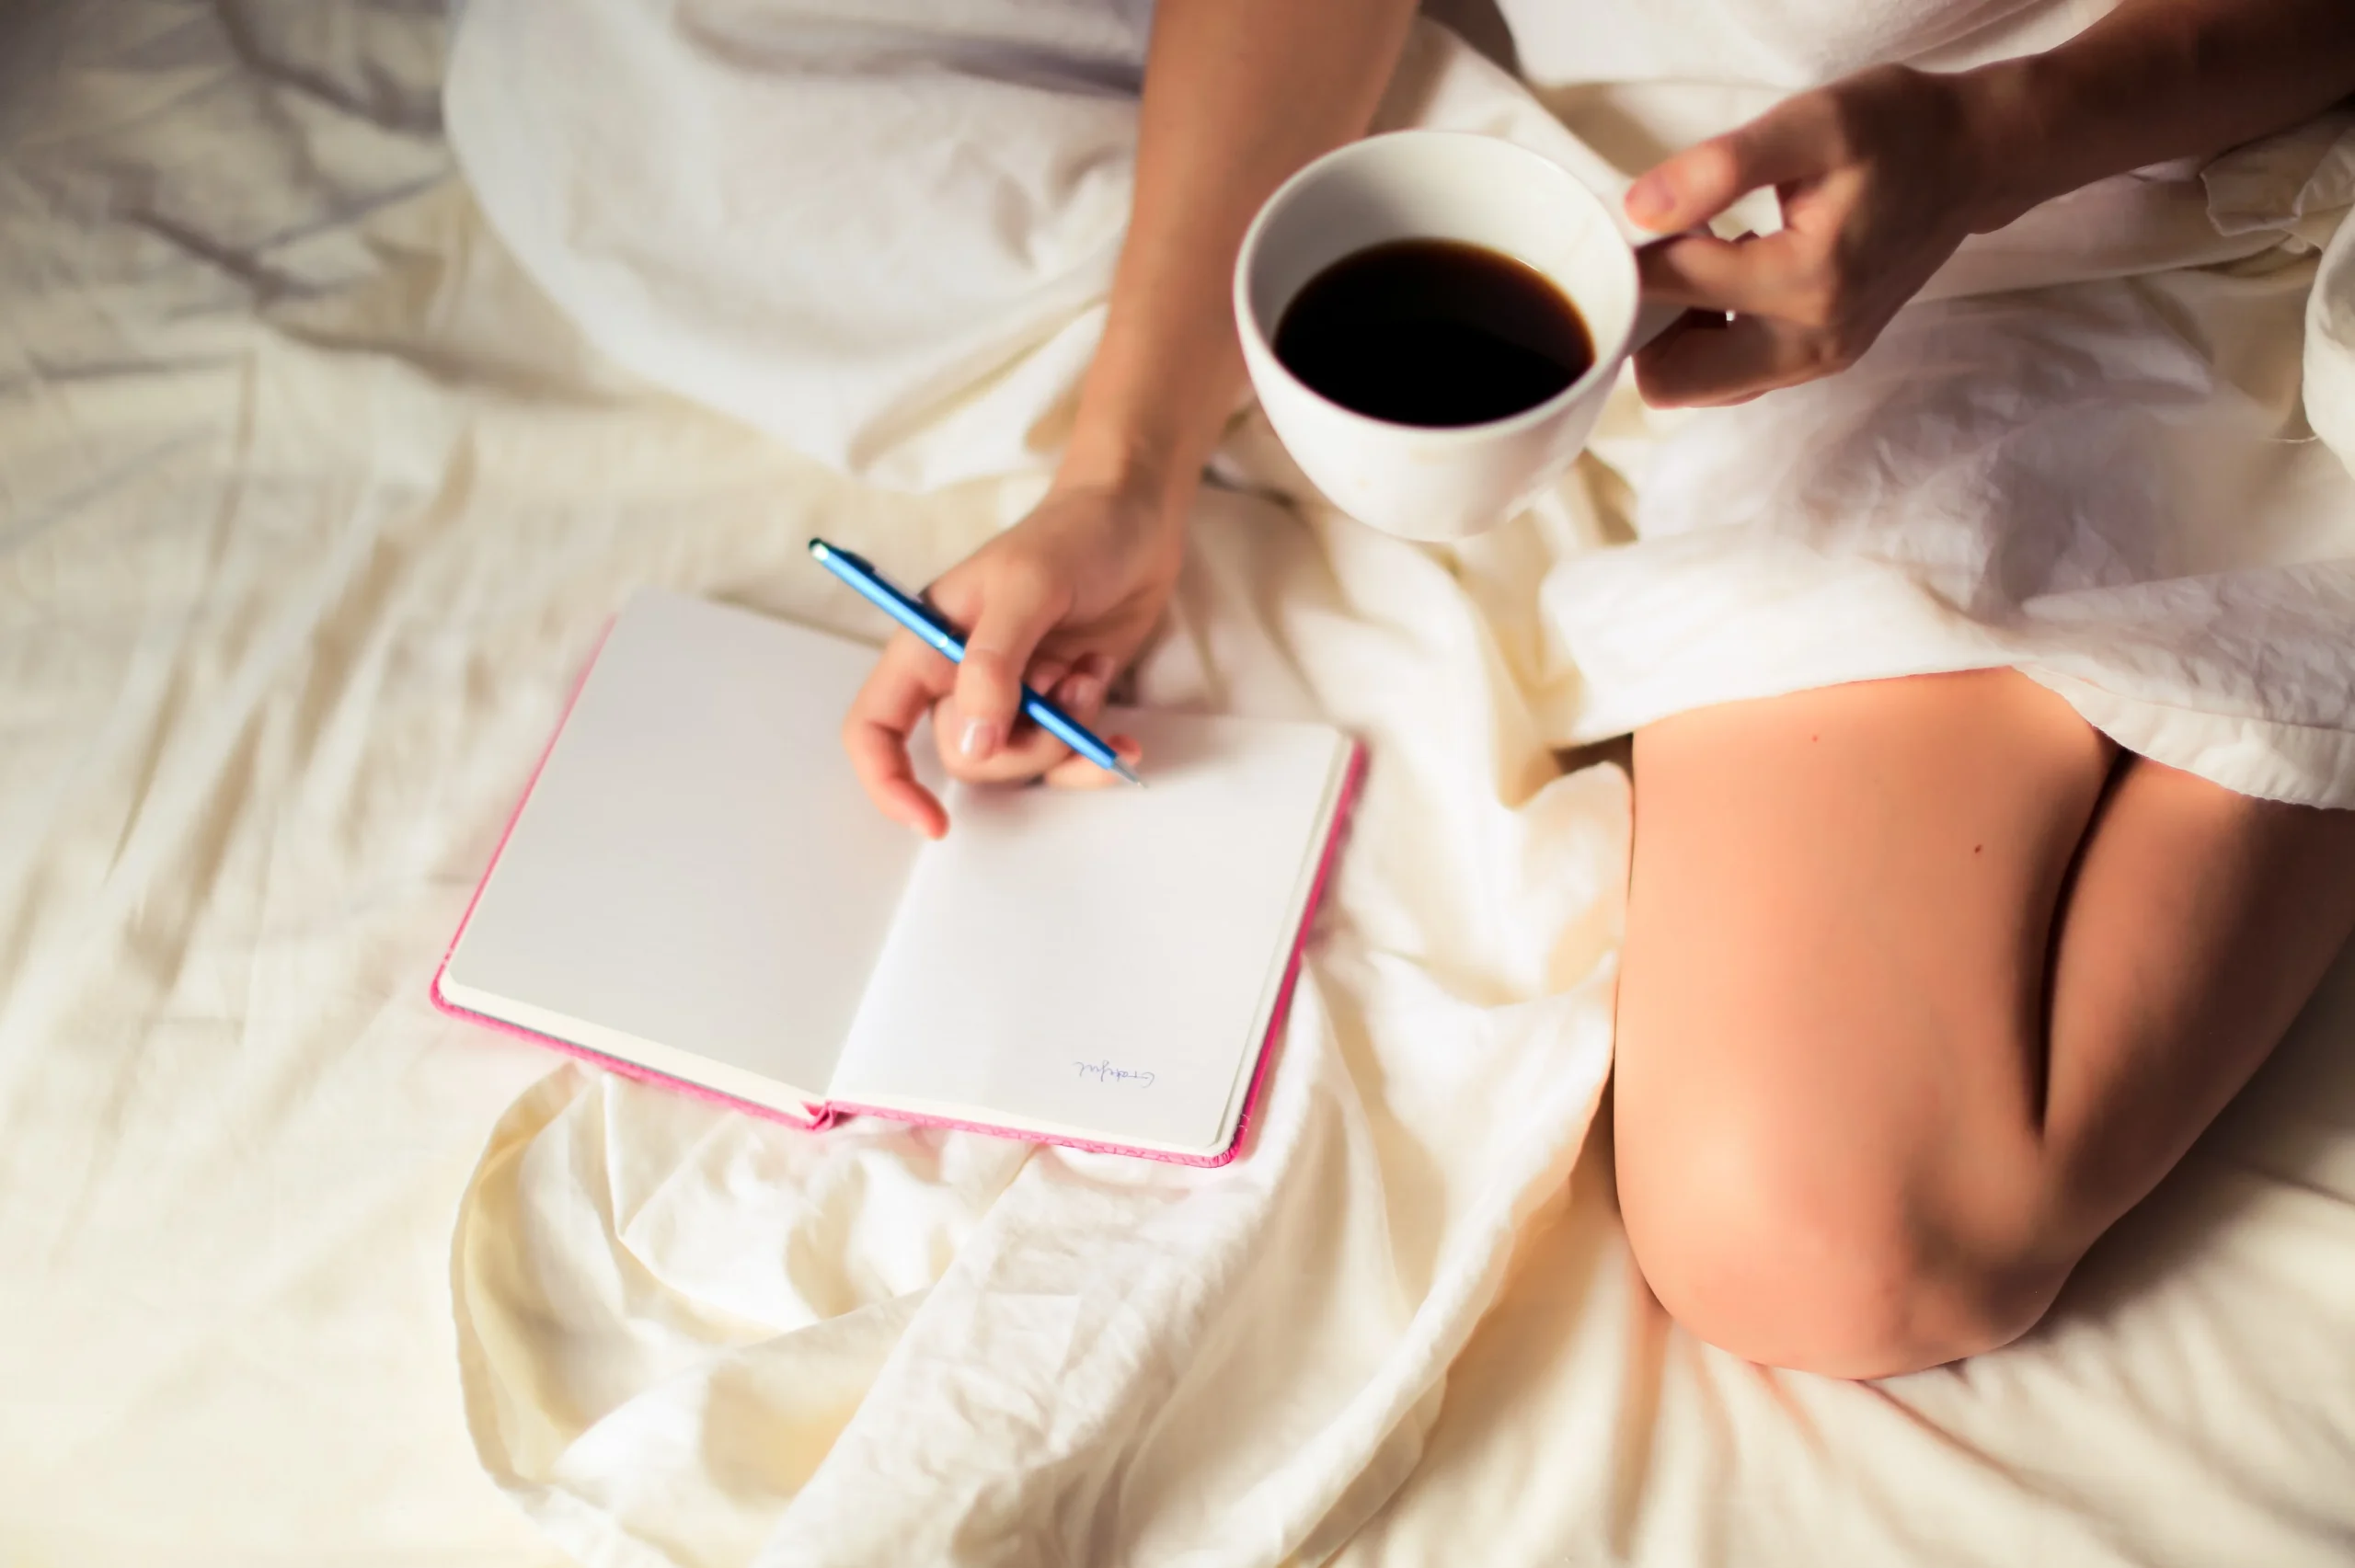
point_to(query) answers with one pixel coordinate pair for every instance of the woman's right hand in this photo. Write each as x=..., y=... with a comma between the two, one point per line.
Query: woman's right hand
x=1063, y=600
x=1238, y=94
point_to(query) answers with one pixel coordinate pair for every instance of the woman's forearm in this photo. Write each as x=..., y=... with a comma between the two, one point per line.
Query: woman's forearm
x=1238, y=94
x=2152, y=81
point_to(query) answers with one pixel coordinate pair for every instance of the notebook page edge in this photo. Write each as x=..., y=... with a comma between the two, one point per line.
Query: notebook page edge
x=1324, y=851
x=618, y=1050
x=640, y=1060
x=871, y=1094
x=1253, y=1071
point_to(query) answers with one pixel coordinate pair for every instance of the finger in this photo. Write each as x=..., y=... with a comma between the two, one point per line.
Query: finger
x=1047, y=673
x=1082, y=695
x=1021, y=605
x=1750, y=356
x=1078, y=772
x=1031, y=750
x=901, y=688
x=1688, y=321
x=1771, y=275
x=1788, y=143
x=1082, y=692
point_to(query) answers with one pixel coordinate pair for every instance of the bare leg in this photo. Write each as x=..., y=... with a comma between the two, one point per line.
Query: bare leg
x=1925, y=985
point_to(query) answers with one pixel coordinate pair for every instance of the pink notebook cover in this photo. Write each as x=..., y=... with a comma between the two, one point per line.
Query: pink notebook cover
x=822, y=1116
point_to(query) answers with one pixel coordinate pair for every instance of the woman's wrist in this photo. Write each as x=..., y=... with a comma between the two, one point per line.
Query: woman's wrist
x=2009, y=114
x=1149, y=449
x=1146, y=471
x=2151, y=82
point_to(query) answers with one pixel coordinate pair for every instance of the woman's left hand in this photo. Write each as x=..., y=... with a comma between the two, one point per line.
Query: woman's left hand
x=1882, y=176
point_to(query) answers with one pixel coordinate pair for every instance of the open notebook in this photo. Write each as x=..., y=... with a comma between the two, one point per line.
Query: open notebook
x=695, y=888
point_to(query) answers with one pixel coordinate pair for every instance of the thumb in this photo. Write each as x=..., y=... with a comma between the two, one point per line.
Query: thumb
x=1022, y=605
x=1785, y=143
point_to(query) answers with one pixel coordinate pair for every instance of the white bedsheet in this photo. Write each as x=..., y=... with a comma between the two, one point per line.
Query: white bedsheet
x=309, y=509
x=882, y=231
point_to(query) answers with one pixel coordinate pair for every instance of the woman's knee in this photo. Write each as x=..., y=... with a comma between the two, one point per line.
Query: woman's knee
x=1757, y=1243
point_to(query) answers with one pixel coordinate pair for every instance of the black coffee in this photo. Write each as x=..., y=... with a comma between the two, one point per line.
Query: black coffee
x=1434, y=332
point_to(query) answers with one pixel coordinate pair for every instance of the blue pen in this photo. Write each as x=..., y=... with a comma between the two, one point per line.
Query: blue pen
x=925, y=623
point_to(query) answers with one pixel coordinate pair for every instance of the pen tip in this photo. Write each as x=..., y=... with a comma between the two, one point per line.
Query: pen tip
x=1128, y=773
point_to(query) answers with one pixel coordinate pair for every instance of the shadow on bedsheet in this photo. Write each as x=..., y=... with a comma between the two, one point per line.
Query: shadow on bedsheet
x=2180, y=1383
x=2285, y=1139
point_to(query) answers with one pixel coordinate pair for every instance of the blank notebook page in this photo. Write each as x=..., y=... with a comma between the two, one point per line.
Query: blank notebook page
x=1103, y=963
x=697, y=868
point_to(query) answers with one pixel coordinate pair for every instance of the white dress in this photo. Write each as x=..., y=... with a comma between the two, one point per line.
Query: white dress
x=882, y=232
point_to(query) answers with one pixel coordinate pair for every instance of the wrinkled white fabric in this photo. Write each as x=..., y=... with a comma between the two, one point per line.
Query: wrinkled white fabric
x=2330, y=314
x=2084, y=453
x=911, y=267
x=2078, y=493
x=1092, y=1359
x=1783, y=44
x=310, y=508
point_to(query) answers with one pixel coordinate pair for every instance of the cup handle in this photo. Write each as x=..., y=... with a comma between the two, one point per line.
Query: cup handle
x=1654, y=318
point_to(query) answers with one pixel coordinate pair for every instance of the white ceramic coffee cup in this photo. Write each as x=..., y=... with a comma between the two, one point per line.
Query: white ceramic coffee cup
x=1438, y=482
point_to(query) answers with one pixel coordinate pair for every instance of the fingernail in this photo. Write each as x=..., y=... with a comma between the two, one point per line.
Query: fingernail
x=1649, y=198
x=979, y=740
x=1083, y=691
